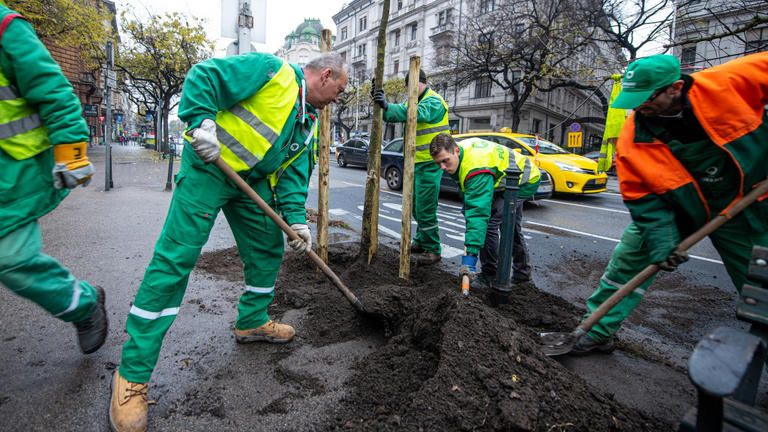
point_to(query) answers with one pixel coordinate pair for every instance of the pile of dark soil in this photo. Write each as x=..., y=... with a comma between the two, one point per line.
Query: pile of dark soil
x=447, y=362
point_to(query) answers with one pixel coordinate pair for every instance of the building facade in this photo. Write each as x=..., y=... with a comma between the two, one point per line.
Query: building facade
x=698, y=20
x=425, y=28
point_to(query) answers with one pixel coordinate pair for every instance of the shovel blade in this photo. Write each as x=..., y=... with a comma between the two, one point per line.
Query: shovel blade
x=557, y=343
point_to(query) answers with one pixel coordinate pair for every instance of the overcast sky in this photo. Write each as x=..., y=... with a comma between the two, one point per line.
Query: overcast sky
x=283, y=16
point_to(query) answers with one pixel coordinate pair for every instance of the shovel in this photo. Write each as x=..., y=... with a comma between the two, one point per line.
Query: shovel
x=229, y=172
x=555, y=344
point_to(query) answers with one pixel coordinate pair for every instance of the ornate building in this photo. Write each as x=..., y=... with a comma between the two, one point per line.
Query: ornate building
x=303, y=44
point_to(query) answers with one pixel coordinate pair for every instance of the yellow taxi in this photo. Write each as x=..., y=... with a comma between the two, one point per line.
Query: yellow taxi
x=570, y=172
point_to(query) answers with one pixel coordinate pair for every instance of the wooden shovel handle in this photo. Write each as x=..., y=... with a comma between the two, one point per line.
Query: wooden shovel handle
x=232, y=175
x=684, y=245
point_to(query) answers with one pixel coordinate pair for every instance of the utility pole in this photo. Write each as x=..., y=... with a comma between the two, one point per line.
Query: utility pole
x=108, y=83
x=244, y=26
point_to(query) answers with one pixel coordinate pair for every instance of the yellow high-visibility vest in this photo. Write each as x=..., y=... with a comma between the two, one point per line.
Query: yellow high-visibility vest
x=479, y=153
x=426, y=131
x=22, y=133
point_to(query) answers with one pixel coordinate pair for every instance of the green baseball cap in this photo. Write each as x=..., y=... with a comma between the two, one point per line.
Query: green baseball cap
x=643, y=77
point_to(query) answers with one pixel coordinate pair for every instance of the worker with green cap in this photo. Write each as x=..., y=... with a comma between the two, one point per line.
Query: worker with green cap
x=42, y=156
x=431, y=119
x=258, y=114
x=694, y=145
x=478, y=167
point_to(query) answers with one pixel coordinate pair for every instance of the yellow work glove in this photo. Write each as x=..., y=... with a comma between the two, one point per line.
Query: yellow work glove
x=71, y=166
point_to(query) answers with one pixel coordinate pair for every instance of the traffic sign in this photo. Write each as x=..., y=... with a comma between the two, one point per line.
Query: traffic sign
x=575, y=127
x=574, y=139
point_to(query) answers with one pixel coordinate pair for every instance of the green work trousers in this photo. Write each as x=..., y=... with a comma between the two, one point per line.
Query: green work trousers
x=426, y=188
x=201, y=191
x=40, y=278
x=733, y=241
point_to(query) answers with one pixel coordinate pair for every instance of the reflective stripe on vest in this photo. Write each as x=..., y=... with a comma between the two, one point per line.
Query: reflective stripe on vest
x=252, y=126
x=426, y=131
x=22, y=133
x=310, y=133
x=479, y=153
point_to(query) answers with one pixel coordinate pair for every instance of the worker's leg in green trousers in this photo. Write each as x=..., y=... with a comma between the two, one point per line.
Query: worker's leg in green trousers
x=629, y=258
x=734, y=242
x=40, y=278
x=426, y=185
x=200, y=193
x=260, y=243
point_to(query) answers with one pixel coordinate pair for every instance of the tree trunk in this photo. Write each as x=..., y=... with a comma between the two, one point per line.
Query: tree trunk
x=409, y=152
x=323, y=150
x=369, y=241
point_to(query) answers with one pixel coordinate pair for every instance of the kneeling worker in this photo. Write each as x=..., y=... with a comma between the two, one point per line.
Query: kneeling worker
x=477, y=166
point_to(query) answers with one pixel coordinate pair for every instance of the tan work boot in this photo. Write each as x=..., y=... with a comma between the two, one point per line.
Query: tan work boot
x=128, y=408
x=269, y=332
x=427, y=258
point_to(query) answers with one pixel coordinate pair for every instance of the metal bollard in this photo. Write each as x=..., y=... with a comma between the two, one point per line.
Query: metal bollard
x=502, y=285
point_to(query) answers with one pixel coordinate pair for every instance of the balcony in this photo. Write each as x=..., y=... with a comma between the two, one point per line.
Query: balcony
x=394, y=49
x=413, y=44
x=360, y=59
x=445, y=30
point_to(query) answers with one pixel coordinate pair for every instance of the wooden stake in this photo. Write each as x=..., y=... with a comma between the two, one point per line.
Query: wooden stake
x=369, y=240
x=323, y=160
x=409, y=155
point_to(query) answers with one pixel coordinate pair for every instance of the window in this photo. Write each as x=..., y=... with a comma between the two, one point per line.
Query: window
x=688, y=57
x=414, y=30
x=485, y=41
x=360, y=50
x=344, y=57
x=482, y=123
x=399, y=4
x=442, y=18
x=396, y=37
x=757, y=40
x=363, y=24
x=536, y=126
x=487, y=5
x=442, y=55
x=483, y=87
x=343, y=33
x=396, y=67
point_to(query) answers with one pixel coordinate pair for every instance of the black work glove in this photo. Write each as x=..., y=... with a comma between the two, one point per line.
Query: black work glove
x=380, y=98
x=675, y=259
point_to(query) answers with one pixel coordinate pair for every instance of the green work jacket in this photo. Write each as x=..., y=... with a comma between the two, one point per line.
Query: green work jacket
x=479, y=175
x=217, y=85
x=431, y=119
x=26, y=185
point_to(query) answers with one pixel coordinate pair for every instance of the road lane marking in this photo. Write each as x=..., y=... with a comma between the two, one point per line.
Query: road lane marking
x=586, y=206
x=608, y=238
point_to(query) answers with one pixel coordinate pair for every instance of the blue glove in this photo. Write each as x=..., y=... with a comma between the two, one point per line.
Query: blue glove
x=468, y=265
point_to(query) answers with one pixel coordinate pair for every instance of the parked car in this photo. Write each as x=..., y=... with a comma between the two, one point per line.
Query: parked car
x=595, y=155
x=392, y=171
x=353, y=151
x=570, y=172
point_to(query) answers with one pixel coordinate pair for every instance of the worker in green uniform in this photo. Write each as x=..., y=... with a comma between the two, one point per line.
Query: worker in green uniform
x=694, y=145
x=258, y=113
x=477, y=166
x=431, y=119
x=42, y=155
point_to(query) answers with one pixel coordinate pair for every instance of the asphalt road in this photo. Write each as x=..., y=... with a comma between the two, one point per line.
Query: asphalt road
x=107, y=238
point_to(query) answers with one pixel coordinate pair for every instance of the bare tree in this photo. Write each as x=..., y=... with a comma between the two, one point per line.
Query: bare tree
x=711, y=32
x=517, y=44
x=632, y=25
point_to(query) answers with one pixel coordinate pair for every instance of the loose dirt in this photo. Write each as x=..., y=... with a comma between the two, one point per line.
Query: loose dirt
x=445, y=361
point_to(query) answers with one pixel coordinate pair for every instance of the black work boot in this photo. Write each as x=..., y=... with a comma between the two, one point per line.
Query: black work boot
x=416, y=248
x=586, y=344
x=92, y=331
